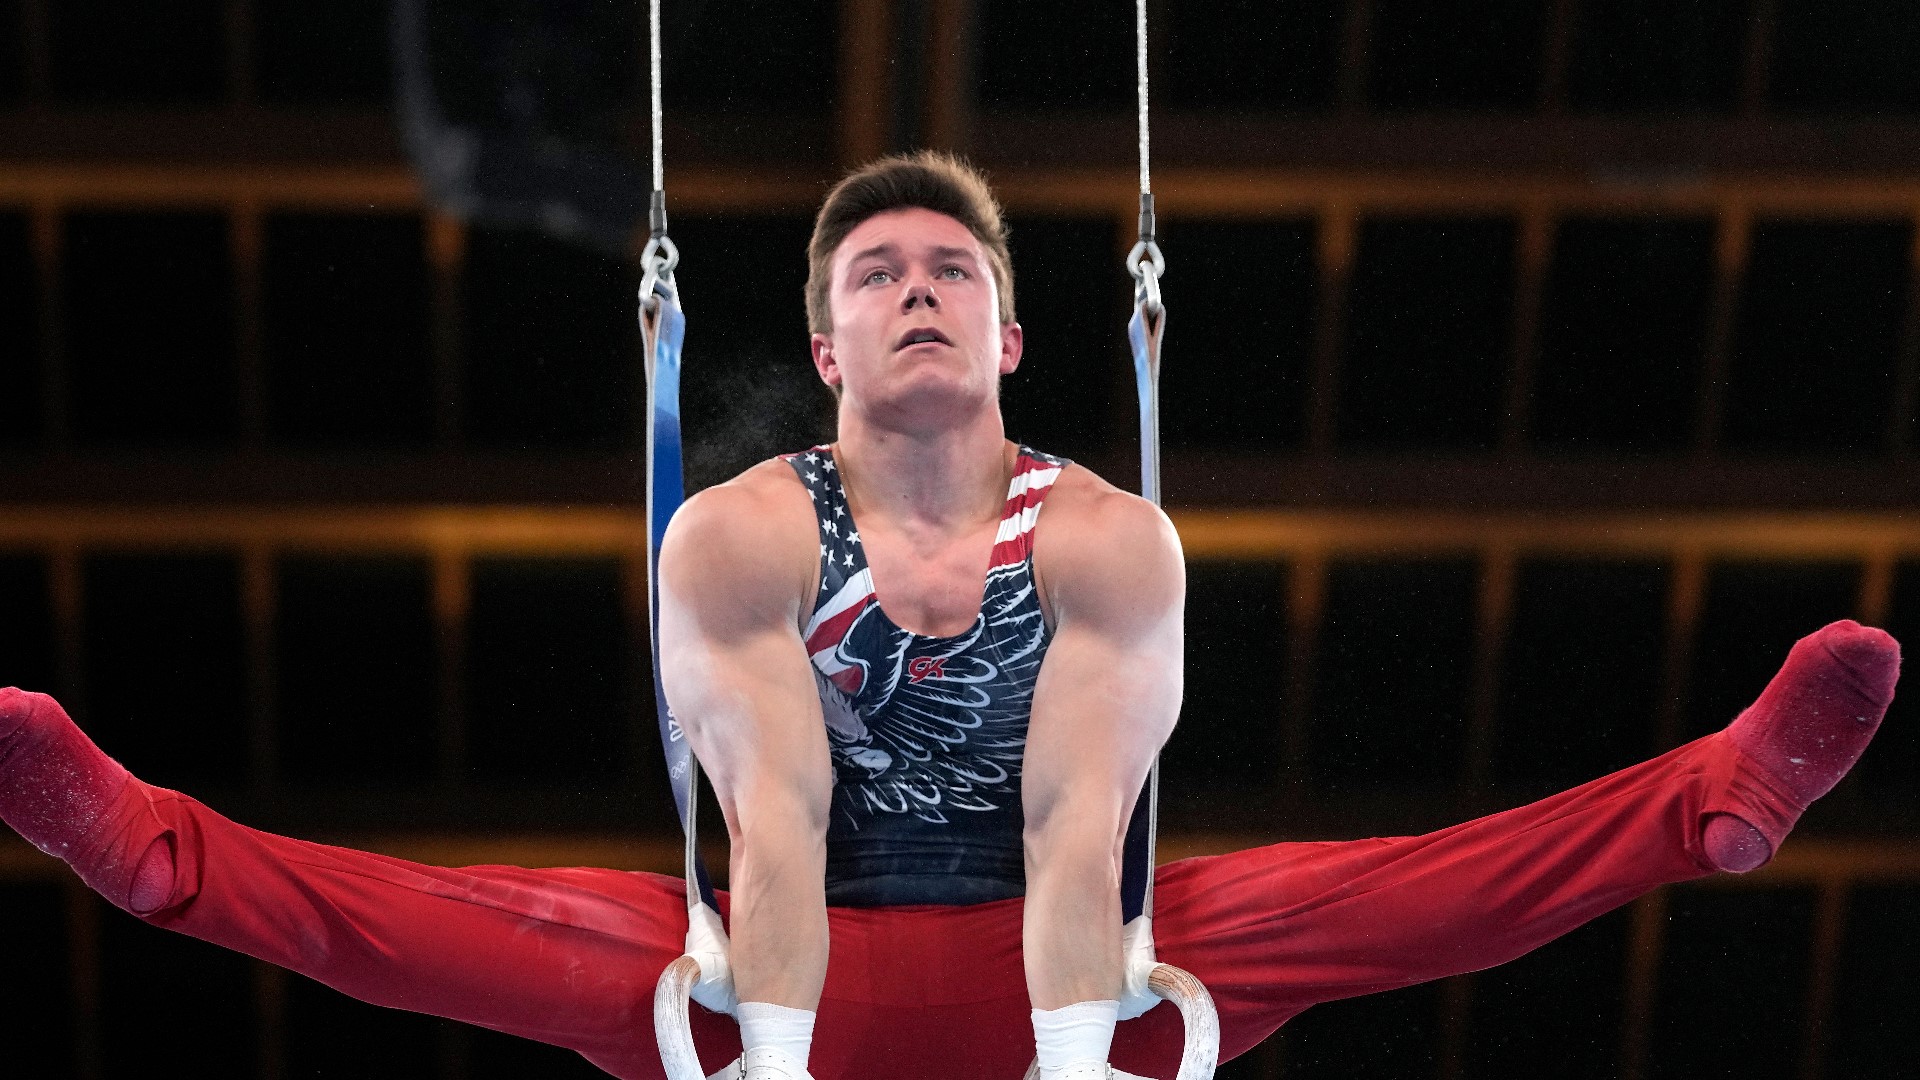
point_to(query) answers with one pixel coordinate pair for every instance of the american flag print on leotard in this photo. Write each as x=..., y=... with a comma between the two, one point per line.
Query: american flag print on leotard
x=926, y=734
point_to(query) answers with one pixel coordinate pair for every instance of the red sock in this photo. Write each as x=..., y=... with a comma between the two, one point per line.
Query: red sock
x=1809, y=726
x=56, y=785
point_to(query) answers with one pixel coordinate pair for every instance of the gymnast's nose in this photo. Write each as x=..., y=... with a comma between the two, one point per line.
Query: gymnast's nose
x=921, y=294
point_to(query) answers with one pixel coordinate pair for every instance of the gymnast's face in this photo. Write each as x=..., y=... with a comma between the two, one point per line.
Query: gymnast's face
x=916, y=319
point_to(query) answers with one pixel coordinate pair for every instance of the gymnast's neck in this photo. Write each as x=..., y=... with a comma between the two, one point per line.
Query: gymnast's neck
x=946, y=474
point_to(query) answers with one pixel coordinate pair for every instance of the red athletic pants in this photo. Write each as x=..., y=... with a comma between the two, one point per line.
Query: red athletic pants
x=570, y=956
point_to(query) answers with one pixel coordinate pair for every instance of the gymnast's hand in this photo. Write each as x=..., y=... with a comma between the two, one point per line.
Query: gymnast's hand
x=736, y=567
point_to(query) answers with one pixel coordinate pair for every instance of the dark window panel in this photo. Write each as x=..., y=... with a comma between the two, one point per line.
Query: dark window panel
x=1753, y=614
x=13, y=51
x=1657, y=55
x=703, y=66
x=748, y=388
x=1871, y=1030
x=356, y=670
x=1893, y=763
x=1248, y=54
x=495, y=1056
x=1262, y=1062
x=160, y=989
x=547, y=671
x=27, y=652
x=1845, y=56
x=36, y=996
x=565, y=69
x=165, y=667
x=1819, y=330
x=1733, y=984
x=1557, y=1011
x=386, y=1044
x=1054, y=56
x=1228, y=738
x=1245, y=303
x=1395, y=661
x=172, y=52
x=149, y=314
x=1062, y=399
x=1471, y=54
x=333, y=54
x=1427, y=336
x=1390, y=1036
x=349, y=361
x=1622, y=328
x=1582, y=671
x=552, y=343
x=22, y=367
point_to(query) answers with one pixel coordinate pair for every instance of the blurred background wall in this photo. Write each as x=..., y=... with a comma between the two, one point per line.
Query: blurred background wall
x=1538, y=371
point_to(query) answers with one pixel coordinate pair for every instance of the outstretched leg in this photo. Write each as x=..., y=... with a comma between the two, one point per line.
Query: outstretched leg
x=567, y=957
x=1274, y=930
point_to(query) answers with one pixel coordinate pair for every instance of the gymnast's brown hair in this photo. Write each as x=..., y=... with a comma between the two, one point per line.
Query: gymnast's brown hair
x=929, y=179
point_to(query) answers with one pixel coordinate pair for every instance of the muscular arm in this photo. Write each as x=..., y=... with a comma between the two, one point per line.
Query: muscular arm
x=1107, y=697
x=733, y=569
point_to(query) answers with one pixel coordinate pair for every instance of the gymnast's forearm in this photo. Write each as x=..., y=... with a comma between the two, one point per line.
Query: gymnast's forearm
x=1072, y=921
x=779, y=916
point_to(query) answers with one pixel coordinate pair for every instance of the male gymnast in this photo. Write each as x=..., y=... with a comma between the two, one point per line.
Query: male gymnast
x=926, y=732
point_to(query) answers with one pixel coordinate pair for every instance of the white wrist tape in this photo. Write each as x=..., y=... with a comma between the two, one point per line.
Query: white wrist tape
x=766, y=1026
x=1137, y=962
x=707, y=943
x=1073, y=1037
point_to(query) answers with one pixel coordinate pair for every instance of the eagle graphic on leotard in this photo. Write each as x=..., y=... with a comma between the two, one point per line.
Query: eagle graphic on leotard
x=925, y=729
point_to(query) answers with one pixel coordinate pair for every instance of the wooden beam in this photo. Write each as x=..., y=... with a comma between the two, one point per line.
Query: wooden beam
x=446, y=243
x=452, y=534
x=949, y=86
x=1732, y=242
x=1092, y=190
x=1335, y=246
x=1533, y=255
x=865, y=105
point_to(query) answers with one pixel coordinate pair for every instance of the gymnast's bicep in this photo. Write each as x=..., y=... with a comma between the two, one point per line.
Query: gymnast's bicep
x=733, y=571
x=1109, y=689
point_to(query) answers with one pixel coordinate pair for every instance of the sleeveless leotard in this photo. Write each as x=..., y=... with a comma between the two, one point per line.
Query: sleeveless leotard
x=926, y=734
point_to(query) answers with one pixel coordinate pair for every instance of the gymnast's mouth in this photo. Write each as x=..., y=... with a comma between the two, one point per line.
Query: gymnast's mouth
x=920, y=335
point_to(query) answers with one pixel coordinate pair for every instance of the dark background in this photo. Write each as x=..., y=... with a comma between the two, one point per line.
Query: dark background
x=1537, y=372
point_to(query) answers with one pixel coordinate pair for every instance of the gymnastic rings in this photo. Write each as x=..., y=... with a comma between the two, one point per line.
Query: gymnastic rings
x=672, y=1031
x=1201, y=1052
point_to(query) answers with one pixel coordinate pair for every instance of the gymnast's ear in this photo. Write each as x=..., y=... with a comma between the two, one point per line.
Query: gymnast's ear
x=1012, y=341
x=824, y=361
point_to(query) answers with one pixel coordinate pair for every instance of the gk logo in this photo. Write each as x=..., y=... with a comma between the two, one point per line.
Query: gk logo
x=921, y=667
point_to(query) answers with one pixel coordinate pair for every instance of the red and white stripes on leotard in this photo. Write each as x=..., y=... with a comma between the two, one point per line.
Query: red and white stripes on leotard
x=1032, y=478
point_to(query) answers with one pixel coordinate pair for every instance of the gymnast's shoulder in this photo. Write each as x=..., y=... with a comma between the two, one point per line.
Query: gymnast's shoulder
x=1093, y=542
x=750, y=537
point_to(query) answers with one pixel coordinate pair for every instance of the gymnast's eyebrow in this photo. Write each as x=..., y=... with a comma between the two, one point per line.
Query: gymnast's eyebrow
x=891, y=250
x=887, y=250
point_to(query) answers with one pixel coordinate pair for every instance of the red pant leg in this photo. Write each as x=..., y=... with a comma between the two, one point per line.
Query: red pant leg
x=567, y=956
x=1274, y=930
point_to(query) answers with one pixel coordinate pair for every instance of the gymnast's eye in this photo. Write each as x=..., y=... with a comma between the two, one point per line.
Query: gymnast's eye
x=954, y=273
x=877, y=277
